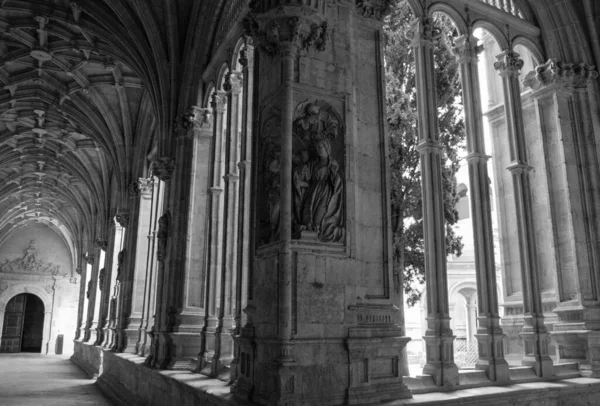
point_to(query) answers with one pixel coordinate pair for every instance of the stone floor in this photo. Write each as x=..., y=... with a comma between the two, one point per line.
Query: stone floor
x=45, y=380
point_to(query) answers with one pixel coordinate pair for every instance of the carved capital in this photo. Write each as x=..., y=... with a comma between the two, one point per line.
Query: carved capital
x=218, y=101
x=291, y=25
x=233, y=82
x=78, y=270
x=560, y=74
x=133, y=190
x=163, y=168
x=423, y=32
x=145, y=186
x=122, y=218
x=90, y=259
x=508, y=63
x=466, y=48
x=101, y=243
x=376, y=9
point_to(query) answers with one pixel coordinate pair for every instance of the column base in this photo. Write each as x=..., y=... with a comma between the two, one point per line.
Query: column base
x=440, y=361
x=491, y=357
x=536, y=353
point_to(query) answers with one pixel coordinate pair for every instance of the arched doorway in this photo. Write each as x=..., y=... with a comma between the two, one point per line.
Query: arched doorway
x=23, y=324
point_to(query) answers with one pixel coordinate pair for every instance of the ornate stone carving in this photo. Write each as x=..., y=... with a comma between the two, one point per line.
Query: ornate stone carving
x=373, y=8
x=423, y=32
x=122, y=218
x=120, y=260
x=133, y=190
x=162, y=236
x=101, y=276
x=3, y=286
x=78, y=270
x=145, y=186
x=233, y=82
x=508, y=63
x=190, y=120
x=163, y=168
x=30, y=263
x=299, y=31
x=554, y=72
x=101, y=243
x=466, y=48
x=318, y=179
x=90, y=259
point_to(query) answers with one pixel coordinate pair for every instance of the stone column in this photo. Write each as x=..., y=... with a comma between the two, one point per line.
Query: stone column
x=164, y=313
x=438, y=336
x=489, y=333
x=81, y=304
x=223, y=353
x=137, y=245
x=148, y=305
x=244, y=233
x=105, y=286
x=535, y=335
x=91, y=291
x=322, y=327
x=214, y=236
x=564, y=107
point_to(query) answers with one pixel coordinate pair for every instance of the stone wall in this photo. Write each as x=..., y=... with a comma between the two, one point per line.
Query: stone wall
x=43, y=268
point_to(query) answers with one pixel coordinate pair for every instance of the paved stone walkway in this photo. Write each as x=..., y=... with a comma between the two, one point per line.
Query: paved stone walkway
x=45, y=380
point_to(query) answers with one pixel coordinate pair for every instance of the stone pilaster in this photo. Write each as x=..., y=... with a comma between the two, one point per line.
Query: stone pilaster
x=215, y=232
x=143, y=345
x=535, y=334
x=321, y=324
x=563, y=103
x=438, y=335
x=91, y=293
x=489, y=334
x=247, y=62
x=104, y=334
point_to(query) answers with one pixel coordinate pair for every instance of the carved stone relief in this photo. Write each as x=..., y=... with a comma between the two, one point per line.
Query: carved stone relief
x=317, y=175
x=162, y=236
x=101, y=275
x=30, y=263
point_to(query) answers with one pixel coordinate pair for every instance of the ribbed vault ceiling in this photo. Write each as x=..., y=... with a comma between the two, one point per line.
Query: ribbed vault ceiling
x=69, y=106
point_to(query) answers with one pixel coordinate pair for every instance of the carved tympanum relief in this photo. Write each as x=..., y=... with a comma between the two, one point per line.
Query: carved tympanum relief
x=317, y=175
x=30, y=263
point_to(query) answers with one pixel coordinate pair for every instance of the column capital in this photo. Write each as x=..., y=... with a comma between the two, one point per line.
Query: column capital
x=162, y=168
x=145, y=186
x=428, y=145
x=218, y=101
x=557, y=74
x=301, y=27
x=101, y=243
x=508, y=63
x=466, y=48
x=122, y=217
x=422, y=32
x=233, y=82
x=519, y=167
x=195, y=118
x=89, y=258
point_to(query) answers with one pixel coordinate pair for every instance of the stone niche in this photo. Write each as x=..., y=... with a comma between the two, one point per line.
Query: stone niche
x=36, y=260
x=318, y=202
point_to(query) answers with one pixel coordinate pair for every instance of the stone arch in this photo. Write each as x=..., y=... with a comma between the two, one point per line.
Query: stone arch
x=494, y=30
x=43, y=295
x=234, y=62
x=454, y=15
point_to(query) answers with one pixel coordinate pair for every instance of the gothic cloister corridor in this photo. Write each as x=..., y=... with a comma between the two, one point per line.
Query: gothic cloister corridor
x=28, y=379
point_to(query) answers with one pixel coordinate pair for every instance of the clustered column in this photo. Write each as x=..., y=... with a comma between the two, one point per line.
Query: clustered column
x=563, y=104
x=535, y=335
x=489, y=333
x=438, y=336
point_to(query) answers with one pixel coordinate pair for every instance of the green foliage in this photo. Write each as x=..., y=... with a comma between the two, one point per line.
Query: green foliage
x=402, y=118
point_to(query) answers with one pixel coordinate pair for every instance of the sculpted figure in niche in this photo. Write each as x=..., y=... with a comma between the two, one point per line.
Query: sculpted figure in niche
x=317, y=175
x=273, y=165
x=322, y=205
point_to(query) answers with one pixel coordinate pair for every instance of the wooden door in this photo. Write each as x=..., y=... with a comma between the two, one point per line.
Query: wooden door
x=12, y=330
